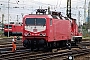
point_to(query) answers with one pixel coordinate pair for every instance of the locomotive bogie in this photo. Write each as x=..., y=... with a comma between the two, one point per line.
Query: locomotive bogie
x=76, y=39
x=38, y=44
x=6, y=33
x=34, y=43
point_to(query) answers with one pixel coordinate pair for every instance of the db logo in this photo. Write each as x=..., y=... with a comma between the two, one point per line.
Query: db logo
x=34, y=30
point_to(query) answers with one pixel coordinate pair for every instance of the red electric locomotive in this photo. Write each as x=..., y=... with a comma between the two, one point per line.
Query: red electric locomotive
x=14, y=29
x=49, y=31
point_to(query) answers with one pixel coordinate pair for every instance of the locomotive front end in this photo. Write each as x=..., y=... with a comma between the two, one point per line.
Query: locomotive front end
x=34, y=32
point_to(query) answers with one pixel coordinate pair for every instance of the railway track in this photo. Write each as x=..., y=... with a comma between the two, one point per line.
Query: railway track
x=23, y=53
x=85, y=39
x=6, y=43
x=43, y=56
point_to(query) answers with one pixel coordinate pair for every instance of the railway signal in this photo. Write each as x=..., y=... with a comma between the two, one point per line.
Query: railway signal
x=70, y=57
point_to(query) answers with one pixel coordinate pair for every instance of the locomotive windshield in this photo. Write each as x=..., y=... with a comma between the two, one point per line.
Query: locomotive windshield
x=6, y=26
x=35, y=21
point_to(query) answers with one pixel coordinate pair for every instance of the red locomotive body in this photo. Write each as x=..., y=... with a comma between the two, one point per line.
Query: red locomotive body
x=48, y=31
x=76, y=35
x=14, y=29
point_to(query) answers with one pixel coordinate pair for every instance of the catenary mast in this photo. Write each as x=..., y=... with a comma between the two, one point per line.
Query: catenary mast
x=69, y=8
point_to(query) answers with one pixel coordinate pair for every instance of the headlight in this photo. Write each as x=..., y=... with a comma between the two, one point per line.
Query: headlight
x=26, y=34
x=42, y=34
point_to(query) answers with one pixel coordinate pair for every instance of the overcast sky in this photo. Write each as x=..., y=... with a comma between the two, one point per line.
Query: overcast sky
x=28, y=6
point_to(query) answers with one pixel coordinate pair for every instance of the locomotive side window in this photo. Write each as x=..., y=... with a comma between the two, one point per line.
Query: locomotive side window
x=50, y=21
x=35, y=21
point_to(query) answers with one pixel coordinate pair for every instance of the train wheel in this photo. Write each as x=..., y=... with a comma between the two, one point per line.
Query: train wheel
x=18, y=38
x=26, y=43
x=79, y=40
x=68, y=45
x=32, y=48
x=50, y=45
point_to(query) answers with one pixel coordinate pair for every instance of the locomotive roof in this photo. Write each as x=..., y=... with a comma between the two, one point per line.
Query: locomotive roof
x=38, y=16
x=45, y=16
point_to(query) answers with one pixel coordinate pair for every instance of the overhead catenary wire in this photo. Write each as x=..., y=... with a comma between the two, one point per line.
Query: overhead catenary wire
x=34, y=2
x=24, y=5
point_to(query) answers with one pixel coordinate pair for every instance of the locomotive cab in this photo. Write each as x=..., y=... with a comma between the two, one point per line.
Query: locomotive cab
x=35, y=31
